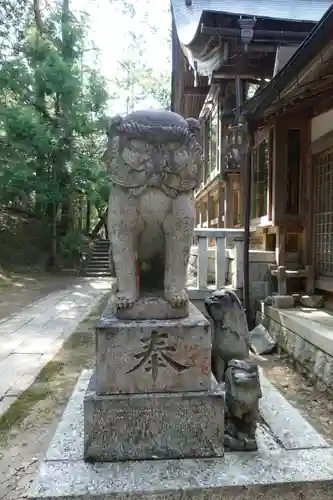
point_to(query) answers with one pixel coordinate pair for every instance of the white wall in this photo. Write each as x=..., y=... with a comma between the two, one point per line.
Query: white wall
x=321, y=125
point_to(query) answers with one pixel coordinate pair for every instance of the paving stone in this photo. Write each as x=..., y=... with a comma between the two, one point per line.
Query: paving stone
x=17, y=368
x=31, y=338
x=286, y=423
x=5, y=403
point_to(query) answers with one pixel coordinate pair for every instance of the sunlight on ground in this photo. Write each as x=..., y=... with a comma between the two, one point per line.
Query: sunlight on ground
x=19, y=285
x=101, y=285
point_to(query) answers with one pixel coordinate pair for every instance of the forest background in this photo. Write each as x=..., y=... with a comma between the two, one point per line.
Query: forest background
x=65, y=68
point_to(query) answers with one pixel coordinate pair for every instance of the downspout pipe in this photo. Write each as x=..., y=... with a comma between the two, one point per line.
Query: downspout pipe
x=247, y=218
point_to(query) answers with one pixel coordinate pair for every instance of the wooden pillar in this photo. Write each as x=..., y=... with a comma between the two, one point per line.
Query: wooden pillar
x=280, y=250
x=308, y=237
x=197, y=214
x=242, y=192
x=221, y=205
x=278, y=181
x=209, y=210
x=202, y=213
x=228, y=219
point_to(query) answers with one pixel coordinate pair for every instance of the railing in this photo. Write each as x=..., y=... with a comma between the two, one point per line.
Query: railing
x=227, y=260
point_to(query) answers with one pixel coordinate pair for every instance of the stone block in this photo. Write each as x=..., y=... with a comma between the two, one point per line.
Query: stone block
x=320, y=364
x=283, y=301
x=259, y=289
x=153, y=426
x=312, y=301
x=290, y=339
x=261, y=340
x=153, y=355
x=305, y=353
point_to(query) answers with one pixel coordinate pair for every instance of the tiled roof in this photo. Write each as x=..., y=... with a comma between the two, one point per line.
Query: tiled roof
x=187, y=19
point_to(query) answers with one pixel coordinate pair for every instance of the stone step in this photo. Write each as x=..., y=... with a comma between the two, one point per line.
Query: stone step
x=101, y=250
x=101, y=247
x=96, y=265
x=97, y=274
x=102, y=243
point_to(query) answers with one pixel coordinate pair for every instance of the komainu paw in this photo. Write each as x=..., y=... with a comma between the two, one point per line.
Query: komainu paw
x=176, y=298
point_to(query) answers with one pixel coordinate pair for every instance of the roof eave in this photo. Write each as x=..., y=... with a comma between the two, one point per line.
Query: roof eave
x=312, y=45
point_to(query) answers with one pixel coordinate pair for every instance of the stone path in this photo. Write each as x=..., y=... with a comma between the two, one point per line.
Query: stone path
x=30, y=339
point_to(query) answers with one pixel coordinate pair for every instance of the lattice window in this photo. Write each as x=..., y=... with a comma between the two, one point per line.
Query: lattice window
x=323, y=212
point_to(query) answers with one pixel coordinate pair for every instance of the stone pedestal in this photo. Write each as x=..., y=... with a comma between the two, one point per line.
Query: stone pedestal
x=146, y=356
x=153, y=425
x=151, y=394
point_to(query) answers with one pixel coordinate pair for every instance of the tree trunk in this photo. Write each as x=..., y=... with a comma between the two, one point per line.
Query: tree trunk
x=99, y=225
x=88, y=216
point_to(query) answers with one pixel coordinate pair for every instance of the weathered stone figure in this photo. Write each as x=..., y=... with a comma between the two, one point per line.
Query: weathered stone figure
x=242, y=394
x=230, y=331
x=154, y=163
x=231, y=363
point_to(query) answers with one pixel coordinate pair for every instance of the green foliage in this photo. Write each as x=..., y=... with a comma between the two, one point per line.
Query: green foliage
x=140, y=76
x=53, y=109
x=52, y=124
x=71, y=245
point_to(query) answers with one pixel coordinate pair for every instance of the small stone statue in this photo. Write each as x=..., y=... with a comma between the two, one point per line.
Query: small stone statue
x=242, y=394
x=231, y=363
x=154, y=162
x=230, y=331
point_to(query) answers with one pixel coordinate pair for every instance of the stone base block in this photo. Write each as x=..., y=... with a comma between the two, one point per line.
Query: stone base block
x=151, y=426
x=283, y=301
x=293, y=462
x=148, y=356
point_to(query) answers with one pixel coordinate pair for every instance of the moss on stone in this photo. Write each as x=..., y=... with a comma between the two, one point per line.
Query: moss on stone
x=22, y=406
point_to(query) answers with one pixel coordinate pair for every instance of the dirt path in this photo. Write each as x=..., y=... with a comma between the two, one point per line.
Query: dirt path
x=18, y=290
x=32, y=421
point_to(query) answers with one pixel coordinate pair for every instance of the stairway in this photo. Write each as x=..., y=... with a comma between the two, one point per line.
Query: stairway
x=98, y=264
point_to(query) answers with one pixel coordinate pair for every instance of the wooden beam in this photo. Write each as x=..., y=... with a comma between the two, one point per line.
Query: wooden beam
x=196, y=91
x=301, y=100
x=267, y=34
x=246, y=72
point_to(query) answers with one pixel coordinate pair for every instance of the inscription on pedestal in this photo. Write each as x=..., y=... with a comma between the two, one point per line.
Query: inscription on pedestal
x=153, y=355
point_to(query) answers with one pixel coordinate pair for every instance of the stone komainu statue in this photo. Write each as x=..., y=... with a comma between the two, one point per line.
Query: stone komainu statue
x=154, y=162
x=242, y=394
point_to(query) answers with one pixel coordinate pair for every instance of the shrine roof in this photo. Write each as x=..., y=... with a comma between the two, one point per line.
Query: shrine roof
x=319, y=38
x=188, y=18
